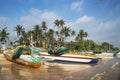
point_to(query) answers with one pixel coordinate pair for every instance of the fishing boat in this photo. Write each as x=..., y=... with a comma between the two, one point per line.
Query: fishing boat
x=19, y=58
x=72, y=58
x=23, y=62
x=105, y=55
x=60, y=56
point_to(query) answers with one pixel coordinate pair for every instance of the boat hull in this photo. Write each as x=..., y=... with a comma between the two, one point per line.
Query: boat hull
x=20, y=61
x=71, y=58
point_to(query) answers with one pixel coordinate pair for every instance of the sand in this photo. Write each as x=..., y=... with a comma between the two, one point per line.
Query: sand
x=106, y=69
x=3, y=61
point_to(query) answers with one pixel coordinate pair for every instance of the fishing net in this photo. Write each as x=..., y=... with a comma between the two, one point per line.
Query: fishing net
x=35, y=60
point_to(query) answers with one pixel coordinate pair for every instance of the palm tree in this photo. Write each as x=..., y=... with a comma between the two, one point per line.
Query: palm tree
x=73, y=33
x=77, y=38
x=82, y=34
x=30, y=35
x=44, y=33
x=57, y=34
x=4, y=35
x=61, y=23
x=51, y=35
x=57, y=23
x=44, y=26
x=36, y=34
x=85, y=34
x=19, y=29
x=65, y=32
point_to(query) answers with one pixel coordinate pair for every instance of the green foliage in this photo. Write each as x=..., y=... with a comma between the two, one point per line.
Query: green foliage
x=4, y=35
x=42, y=36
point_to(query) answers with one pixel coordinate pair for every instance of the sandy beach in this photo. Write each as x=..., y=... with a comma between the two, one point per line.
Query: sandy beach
x=107, y=69
x=3, y=61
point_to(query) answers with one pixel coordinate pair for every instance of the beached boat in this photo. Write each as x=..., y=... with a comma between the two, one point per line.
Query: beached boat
x=60, y=56
x=70, y=58
x=23, y=62
x=105, y=55
x=19, y=58
x=117, y=54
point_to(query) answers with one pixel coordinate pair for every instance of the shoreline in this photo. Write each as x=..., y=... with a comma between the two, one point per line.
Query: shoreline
x=106, y=69
x=3, y=61
x=111, y=74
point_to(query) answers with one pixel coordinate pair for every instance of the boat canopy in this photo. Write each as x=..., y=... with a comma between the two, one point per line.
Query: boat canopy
x=58, y=52
x=18, y=51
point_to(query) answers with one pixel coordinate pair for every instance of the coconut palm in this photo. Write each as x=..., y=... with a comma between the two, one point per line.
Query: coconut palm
x=30, y=35
x=65, y=32
x=56, y=34
x=44, y=26
x=36, y=34
x=57, y=23
x=51, y=35
x=44, y=35
x=77, y=38
x=81, y=35
x=73, y=33
x=4, y=35
x=61, y=23
x=19, y=29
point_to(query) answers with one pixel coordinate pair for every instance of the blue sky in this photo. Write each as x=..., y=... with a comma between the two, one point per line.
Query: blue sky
x=100, y=18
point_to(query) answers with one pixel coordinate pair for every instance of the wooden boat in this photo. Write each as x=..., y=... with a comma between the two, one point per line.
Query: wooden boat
x=70, y=58
x=17, y=52
x=20, y=61
x=60, y=56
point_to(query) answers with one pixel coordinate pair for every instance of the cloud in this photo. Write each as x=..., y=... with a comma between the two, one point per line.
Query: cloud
x=36, y=16
x=111, y=25
x=3, y=21
x=98, y=30
x=84, y=19
x=77, y=6
x=85, y=22
x=107, y=31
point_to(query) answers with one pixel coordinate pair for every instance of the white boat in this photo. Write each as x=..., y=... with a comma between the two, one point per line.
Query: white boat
x=118, y=54
x=61, y=57
x=70, y=58
x=105, y=55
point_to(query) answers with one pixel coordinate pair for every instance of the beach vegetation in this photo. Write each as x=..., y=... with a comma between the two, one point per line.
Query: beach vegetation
x=42, y=36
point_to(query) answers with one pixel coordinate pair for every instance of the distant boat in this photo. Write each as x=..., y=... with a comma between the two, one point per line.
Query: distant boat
x=117, y=54
x=105, y=55
x=16, y=58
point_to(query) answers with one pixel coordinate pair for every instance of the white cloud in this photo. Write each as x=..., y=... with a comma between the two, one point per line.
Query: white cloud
x=84, y=22
x=3, y=21
x=84, y=19
x=107, y=31
x=77, y=6
x=99, y=31
x=110, y=25
x=36, y=16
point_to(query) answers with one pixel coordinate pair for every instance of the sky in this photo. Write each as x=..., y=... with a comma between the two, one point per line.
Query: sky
x=100, y=18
